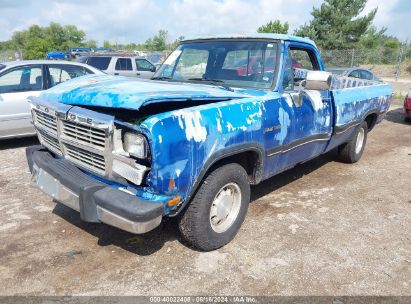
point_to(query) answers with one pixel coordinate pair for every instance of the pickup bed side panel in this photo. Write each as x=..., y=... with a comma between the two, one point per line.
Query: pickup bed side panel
x=185, y=140
x=353, y=105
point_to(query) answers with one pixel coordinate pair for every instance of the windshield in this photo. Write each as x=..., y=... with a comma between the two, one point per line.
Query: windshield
x=238, y=63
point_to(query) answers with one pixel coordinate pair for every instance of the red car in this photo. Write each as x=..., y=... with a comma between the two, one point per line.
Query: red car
x=407, y=106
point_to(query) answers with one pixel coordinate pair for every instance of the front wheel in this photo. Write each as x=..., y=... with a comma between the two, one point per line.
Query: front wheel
x=351, y=151
x=215, y=214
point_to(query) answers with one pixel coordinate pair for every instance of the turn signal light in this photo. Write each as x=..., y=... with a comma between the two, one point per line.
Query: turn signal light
x=174, y=201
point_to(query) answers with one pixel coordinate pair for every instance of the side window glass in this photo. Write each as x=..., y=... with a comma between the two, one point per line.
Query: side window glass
x=61, y=73
x=301, y=59
x=366, y=75
x=100, y=63
x=299, y=62
x=355, y=74
x=143, y=65
x=288, y=77
x=123, y=64
x=22, y=80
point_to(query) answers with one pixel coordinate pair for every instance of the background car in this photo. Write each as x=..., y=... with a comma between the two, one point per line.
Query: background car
x=354, y=72
x=103, y=50
x=57, y=55
x=21, y=79
x=120, y=64
x=74, y=52
x=407, y=106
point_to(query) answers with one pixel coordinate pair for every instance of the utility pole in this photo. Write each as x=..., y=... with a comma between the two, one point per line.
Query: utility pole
x=352, y=57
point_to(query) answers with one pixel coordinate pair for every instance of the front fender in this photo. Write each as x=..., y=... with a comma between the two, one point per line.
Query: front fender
x=186, y=142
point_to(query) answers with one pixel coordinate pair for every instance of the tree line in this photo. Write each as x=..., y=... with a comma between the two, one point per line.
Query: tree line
x=36, y=41
x=336, y=24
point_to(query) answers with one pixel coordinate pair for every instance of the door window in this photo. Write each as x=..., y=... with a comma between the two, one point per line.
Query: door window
x=61, y=73
x=366, y=75
x=22, y=79
x=124, y=64
x=301, y=59
x=143, y=65
x=355, y=74
x=298, y=62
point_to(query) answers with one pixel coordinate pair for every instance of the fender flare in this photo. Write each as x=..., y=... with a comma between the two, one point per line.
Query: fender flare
x=221, y=155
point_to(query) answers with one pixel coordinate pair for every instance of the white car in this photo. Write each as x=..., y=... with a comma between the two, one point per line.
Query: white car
x=21, y=79
x=121, y=64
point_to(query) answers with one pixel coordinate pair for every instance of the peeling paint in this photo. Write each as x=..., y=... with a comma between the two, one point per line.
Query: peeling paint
x=192, y=124
x=183, y=142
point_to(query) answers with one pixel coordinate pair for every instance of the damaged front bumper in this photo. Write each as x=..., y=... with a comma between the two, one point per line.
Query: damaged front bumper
x=96, y=201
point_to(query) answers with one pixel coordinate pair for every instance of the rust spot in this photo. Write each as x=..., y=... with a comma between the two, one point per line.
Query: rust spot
x=171, y=184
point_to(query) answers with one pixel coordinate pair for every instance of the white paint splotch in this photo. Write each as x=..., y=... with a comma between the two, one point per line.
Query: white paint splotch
x=315, y=99
x=285, y=123
x=190, y=122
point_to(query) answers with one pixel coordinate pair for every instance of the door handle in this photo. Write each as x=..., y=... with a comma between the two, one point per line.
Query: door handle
x=138, y=74
x=115, y=73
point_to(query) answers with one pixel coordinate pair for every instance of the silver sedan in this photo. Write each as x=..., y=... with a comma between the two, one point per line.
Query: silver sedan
x=21, y=79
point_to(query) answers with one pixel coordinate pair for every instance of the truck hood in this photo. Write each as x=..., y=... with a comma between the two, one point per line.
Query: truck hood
x=132, y=93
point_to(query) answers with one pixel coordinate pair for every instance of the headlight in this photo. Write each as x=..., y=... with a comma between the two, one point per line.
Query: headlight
x=135, y=144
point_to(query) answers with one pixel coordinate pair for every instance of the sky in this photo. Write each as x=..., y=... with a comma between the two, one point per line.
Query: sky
x=125, y=21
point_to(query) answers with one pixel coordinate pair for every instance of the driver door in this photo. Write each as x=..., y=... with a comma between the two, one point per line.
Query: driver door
x=310, y=111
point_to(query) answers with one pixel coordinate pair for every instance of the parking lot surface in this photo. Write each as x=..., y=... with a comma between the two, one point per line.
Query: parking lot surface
x=322, y=228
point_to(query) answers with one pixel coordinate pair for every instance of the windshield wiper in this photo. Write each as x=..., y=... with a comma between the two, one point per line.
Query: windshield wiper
x=161, y=78
x=216, y=82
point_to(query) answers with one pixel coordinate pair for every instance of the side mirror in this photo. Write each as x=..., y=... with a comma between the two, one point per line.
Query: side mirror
x=318, y=80
x=153, y=69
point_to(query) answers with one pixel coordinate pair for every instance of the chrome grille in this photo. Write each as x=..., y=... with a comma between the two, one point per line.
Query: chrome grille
x=88, y=159
x=84, y=134
x=88, y=146
x=49, y=141
x=45, y=120
x=86, y=138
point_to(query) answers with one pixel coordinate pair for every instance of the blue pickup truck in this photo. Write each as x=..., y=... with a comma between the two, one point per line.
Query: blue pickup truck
x=221, y=114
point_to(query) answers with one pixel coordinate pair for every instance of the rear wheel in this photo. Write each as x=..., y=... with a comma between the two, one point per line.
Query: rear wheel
x=215, y=214
x=351, y=151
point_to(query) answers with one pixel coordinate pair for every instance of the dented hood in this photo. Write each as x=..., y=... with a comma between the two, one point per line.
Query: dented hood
x=131, y=93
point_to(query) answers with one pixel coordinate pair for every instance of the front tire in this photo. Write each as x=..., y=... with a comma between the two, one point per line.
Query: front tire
x=352, y=151
x=215, y=214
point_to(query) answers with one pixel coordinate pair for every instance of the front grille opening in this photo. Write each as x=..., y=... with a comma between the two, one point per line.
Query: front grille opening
x=85, y=134
x=86, y=158
x=50, y=141
x=46, y=120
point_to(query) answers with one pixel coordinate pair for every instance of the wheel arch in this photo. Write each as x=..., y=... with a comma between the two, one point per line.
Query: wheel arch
x=249, y=156
x=371, y=120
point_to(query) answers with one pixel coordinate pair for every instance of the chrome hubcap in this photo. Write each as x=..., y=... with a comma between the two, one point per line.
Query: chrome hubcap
x=225, y=207
x=360, y=140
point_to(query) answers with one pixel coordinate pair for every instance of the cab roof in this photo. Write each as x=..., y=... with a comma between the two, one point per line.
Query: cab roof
x=255, y=36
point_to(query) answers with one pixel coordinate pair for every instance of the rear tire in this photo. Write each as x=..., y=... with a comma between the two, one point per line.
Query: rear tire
x=351, y=151
x=216, y=212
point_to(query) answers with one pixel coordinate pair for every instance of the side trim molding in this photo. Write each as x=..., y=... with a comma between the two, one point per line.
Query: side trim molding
x=343, y=128
x=297, y=143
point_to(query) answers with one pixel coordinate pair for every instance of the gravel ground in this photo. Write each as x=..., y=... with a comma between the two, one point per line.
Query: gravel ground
x=322, y=228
